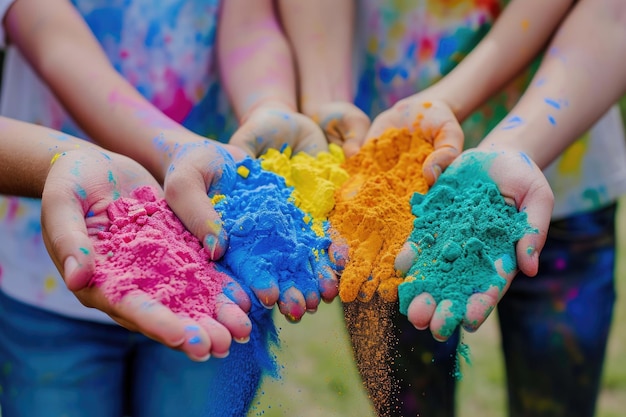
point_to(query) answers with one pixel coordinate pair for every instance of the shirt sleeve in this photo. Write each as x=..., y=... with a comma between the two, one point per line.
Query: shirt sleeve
x=4, y=6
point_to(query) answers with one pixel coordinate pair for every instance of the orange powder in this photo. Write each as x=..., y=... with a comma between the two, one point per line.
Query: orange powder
x=372, y=211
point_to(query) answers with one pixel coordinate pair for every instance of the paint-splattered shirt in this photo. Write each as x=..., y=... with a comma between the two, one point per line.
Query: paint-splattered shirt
x=165, y=48
x=404, y=46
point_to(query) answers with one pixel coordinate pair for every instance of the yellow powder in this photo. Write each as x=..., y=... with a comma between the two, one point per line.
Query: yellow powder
x=372, y=211
x=315, y=179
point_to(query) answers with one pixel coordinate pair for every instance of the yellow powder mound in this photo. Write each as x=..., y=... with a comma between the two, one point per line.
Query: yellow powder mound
x=372, y=211
x=315, y=179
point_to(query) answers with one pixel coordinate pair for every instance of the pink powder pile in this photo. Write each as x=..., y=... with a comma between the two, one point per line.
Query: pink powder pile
x=147, y=248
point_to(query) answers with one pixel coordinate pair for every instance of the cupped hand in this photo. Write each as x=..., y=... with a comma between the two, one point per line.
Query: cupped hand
x=271, y=126
x=344, y=124
x=523, y=186
x=196, y=167
x=80, y=185
x=435, y=119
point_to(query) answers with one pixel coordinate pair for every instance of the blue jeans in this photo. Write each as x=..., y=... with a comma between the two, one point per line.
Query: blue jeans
x=54, y=366
x=555, y=326
x=554, y=329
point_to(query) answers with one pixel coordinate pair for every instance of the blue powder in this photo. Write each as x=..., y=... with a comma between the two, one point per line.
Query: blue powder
x=268, y=240
x=462, y=226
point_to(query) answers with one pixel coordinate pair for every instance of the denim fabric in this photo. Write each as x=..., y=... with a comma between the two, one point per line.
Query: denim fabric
x=54, y=366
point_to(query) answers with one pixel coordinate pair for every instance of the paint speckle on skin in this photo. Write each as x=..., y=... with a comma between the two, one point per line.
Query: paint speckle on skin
x=552, y=103
x=552, y=120
x=195, y=340
x=530, y=250
x=80, y=191
x=526, y=158
x=84, y=250
x=55, y=157
x=525, y=23
x=512, y=122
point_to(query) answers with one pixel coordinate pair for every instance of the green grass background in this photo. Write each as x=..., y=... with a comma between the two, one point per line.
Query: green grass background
x=319, y=376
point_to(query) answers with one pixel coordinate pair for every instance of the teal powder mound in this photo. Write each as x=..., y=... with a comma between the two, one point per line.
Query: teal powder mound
x=462, y=226
x=268, y=237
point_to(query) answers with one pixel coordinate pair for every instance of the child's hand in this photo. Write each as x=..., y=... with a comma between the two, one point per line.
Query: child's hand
x=80, y=186
x=344, y=124
x=197, y=165
x=275, y=125
x=435, y=119
x=523, y=185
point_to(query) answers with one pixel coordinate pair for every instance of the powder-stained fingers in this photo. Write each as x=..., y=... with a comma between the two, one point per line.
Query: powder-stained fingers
x=338, y=251
x=235, y=293
x=137, y=311
x=344, y=124
x=327, y=282
x=437, y=162
x=479, y=306
x=444, y=321
x=421, y=310
x=407, y=257
x=292, y=304
x=263, y=284
x=447, y=140
x=231, y=316
x=219, y=337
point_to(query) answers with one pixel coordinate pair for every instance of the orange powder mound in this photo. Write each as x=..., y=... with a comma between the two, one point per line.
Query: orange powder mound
x=372, y=213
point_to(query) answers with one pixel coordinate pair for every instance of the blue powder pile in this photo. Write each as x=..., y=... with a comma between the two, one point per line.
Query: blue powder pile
x=462, y=226
x=268, y=237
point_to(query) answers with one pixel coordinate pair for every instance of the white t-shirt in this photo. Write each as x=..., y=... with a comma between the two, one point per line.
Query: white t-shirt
x=167, y=53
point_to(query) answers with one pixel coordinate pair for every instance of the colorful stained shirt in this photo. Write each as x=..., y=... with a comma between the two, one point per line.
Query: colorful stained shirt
x=165, y=48
x=404, y=46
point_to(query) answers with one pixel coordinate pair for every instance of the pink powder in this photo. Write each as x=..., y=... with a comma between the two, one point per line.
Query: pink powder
x=147, y=248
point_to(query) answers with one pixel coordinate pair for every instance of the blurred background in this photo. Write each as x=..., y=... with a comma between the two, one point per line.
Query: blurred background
x=319, y=376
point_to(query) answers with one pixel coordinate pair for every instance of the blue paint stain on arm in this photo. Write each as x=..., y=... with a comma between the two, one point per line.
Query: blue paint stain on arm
x=552, y=103
x=512, y=122
x=552, y=120
x=526, y=158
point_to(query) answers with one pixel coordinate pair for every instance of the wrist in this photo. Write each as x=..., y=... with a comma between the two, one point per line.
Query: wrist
x=274, y=103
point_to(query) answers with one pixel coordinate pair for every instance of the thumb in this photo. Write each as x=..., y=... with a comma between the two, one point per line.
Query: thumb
x=538, y=206
x=66, y=238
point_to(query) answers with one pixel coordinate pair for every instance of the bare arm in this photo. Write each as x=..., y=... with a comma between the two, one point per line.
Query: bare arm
x=320, y=33
x=63, y=51
x=256, y=65
x=580, y=77
x=515, y=39
x=26, y=152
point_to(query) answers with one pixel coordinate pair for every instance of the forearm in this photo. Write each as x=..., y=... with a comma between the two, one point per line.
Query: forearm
x=320, y=33
x=523, y=28
x=255, y=62
x=63, y=51
x=581, y=76
x=26, y=153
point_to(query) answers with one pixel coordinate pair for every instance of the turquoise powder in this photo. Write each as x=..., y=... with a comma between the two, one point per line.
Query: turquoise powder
x=462, y=226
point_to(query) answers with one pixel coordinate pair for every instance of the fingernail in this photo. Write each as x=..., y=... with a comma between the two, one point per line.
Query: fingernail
x=71, y=264
x=436, y=171
x=216, y=246
x=202, y=358
x=221, y=355
x=242, y=340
